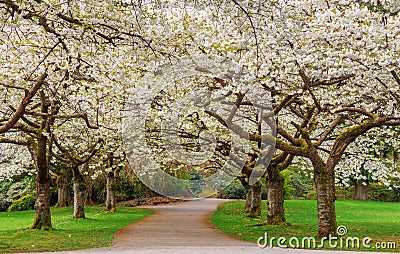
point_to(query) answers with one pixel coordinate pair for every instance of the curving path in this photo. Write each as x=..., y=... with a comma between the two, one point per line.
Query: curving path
x=184, y=228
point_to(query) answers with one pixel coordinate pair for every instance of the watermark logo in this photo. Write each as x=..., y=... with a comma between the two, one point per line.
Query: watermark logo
x=341, y=230
x=341, y=241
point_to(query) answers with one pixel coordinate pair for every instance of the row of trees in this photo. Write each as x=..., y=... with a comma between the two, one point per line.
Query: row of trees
x=330, y=70
x=59, y=81
x=275, y=82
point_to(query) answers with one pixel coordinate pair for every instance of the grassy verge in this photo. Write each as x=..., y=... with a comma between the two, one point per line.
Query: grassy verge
x=378, y=220
x=68, y=234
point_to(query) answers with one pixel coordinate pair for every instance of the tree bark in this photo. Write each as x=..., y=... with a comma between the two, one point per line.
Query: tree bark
x=275, y=200
x=110, y=186
x=63, y=187
x=249, y=197
x=42, y=204
x=325, y=187
x=324, y=179
x=110, y=200
x=360, y=191
x=79, y=194
x=19, y=112
x=255, y=211
x=249, y=193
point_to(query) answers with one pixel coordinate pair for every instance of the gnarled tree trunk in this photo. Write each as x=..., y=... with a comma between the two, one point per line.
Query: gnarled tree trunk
x=110, y=186
x=79, y=194
x=255, y=211
x=110, y=200
x=249, y=197
x=360, y=191
x=63, y=188
x=325, y=186
x=42, y=205
x=249, y=193
x=324, y=179
x=275, y=200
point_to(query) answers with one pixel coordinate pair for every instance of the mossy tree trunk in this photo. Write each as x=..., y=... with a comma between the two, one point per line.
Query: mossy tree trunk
x=255, y=211
x=42, y=205
x=41, y=152
x=248, y=192
x=75, y=162
x=324, y=179
x=249, y=197
x=360, y=191
x=275, y=197
x=79, y=194
x=276, y=190
x=110, y=200
x=324, y=175
x=325, y=187
x=110, y=186
x=63, y=188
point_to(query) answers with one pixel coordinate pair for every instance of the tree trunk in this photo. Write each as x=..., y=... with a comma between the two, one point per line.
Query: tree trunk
x=275, y=197
x=110, y=200
x=42, y=204
x=79, y=194
x=249, y=197
x=249, y=193
x=325, y=186
x=63, y=187
x=360, y=191
x=255, y=211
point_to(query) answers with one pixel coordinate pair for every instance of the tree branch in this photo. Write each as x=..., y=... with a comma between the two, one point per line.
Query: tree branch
x=357, y=110
x=21, y=109
x=13, y=141
x=308, y=84
x=328, y=131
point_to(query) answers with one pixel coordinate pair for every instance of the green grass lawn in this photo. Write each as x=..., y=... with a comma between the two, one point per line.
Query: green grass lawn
x=378, y=220
x=68, y=234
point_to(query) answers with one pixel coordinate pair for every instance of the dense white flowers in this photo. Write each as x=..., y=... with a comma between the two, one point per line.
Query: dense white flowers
x=97, y=54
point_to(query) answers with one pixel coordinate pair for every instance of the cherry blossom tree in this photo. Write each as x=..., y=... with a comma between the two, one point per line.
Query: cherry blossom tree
x=320, y=61
x=328, y=68
x=339, y=62
x=70, y=51
x=371, y=158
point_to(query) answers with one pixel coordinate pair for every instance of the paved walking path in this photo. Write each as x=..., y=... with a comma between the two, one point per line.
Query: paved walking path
x=184, y=228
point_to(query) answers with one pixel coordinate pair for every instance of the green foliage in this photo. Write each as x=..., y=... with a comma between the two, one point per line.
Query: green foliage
x=311, y=195
x=343, y=193
x=288, y=184
x=380, y=8
x=379, y=192
x=15, y=188
x=5, y=185
x=96, y=189
x=129, y=187
x=20, y=185
x=69, y=234
x=169, y=186
x=198, y=182
x=297, y=183
x=26, y=202
x=376, y=192
x=264, y=194
x=4, y=203
x=235, y=190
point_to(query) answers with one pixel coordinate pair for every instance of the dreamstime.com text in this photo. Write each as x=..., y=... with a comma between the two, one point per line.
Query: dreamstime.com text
x=341, y=241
